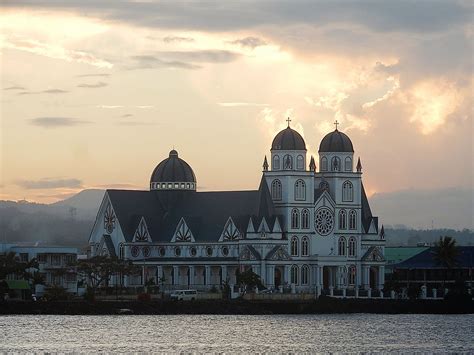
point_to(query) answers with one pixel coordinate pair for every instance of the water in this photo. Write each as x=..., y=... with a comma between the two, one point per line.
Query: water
x=237, y=333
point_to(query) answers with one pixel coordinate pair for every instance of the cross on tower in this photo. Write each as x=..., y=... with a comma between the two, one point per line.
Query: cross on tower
x=288, y=120
x=336, y=123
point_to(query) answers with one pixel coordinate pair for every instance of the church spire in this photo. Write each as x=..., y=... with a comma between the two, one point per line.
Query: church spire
x=312, y=165
x=359, y=166
x=382, y=233
x=265, y=164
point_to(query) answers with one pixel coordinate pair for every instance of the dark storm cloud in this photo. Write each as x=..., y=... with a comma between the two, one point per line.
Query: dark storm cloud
x=99, y=84
x=55, y=122
x=49, y=183
x=251, y=42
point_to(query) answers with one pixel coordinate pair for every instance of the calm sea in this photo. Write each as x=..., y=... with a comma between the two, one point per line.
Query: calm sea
x=242, y=334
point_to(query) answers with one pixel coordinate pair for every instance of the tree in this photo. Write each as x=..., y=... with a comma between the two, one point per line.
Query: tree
x=10, y=264
x=445, y=254
x=248, y=280
x=99, y=269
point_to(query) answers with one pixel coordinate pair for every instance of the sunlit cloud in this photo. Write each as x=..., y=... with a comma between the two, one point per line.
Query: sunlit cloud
x=179, y=39
x=56, y=122
x=241, y=104
x=50, y=183
x=15, y=88
x=251, y=42
x=97, y=85
x=55, y=52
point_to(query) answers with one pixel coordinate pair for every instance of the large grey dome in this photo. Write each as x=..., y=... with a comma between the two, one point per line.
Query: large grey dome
x=288, y=139
x=172, y=170
x=336, y=142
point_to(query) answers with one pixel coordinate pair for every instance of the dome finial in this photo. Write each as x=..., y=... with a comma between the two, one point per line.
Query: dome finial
x=336, y=123
x=288, y=120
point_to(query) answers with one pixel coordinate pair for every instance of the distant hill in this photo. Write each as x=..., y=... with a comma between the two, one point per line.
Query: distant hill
x=69, y=222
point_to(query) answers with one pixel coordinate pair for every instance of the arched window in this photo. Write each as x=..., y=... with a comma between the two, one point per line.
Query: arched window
x=305, y=275
x=300, y=162
x=324, y=185
x=300, y=190
x=305, y=219
x=352, y=219
x=342, y=219
x=342, y=246
x=295, y=219
x=276, y=189
x=352, y=246
x=276, y=163
x=305, y=246
x=324, y=164
x=294, y=246
x=287, y=162
x=352, y=275
x=348, y=164
x=336, y=164
x=294, y=274
x=347, y=192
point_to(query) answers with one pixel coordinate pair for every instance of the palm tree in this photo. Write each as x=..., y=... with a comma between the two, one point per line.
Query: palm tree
x=445, y=254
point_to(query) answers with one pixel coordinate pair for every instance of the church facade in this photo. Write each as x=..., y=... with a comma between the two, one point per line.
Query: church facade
x=306, y=228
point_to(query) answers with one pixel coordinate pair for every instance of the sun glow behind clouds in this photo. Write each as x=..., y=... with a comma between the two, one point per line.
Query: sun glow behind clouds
x=433, y=102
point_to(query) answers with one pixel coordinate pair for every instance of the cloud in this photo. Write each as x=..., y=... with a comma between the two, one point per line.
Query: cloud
x=55, y=52
x=49, y=183
x=201, y=56
x=48, y=91
x=127, y=115
x=136, y=123
x=55, y=122
x=241, y=104
x=109, y=106
x=15, y=88
x=99, y=84
x=103, y=75
x=151, y=62
x=172, y=39
x=251, y=42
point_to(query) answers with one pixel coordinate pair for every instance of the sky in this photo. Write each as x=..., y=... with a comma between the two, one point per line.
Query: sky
x=94, y=94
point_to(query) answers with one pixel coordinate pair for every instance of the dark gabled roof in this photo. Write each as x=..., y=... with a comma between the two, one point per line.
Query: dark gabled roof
x=367, y=213
x=173, y=169
x=426, y=260
x=288, y=139
x=317, y=193
x=337, y=142
x=205, y=213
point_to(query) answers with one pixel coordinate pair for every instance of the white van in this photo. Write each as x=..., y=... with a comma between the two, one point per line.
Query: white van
x=184, y=295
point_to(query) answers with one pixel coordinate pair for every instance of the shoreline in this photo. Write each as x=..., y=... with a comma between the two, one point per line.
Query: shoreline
x=324, y=305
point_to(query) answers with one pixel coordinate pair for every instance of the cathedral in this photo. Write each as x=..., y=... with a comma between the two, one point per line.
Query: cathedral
x=305, y=229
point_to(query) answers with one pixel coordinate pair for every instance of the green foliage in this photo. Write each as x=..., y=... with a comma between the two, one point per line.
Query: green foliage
x=446, y=252
x=213, y=289
x=10, y=264
x=248, y=280
x=99, y=269
x=56, y=293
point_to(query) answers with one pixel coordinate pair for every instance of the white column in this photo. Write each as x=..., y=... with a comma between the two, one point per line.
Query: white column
x=175, y=275
x=263, y=272
x=159, y=274
x=224, y=273
x=287, y=275
x=191, y=276
x=366, y=277
x=270, y=275
x=381, y=277
x=208, y=275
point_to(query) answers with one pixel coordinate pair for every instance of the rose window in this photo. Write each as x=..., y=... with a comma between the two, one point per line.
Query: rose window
x=324, y=221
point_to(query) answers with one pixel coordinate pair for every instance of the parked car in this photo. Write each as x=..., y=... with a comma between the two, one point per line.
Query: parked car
x=184, y=295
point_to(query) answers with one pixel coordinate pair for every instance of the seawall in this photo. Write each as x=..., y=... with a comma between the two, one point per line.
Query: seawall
x=323, y=305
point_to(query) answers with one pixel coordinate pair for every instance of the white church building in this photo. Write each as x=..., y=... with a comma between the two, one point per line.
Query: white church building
x=305, y=227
